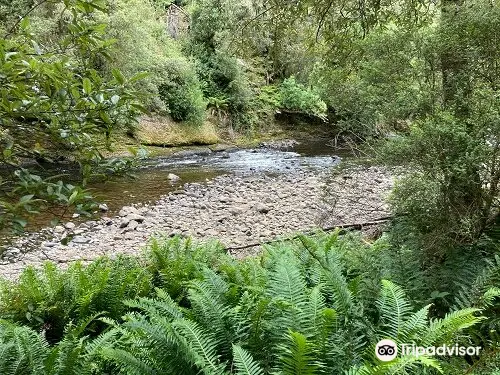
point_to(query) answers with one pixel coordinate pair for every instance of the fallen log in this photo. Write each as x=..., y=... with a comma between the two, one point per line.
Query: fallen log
x=343, y=228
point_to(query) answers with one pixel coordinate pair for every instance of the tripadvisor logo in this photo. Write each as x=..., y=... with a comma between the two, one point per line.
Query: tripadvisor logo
x=386, y=350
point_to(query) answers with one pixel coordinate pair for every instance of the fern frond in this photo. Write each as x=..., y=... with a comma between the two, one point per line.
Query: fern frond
x=22, y=350
x=202, y=345
x=405, y=365
x=443, y=330
x=299, y=356
x=244, y=363
x=127, y=361
x=336, y=281
x=394, y=308
x=287, y=284
x=414, y=325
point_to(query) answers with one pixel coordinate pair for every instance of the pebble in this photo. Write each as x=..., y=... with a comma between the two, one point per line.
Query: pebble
x=173, y=177
x=103, y=207
x=69, y=225
x=80, y=240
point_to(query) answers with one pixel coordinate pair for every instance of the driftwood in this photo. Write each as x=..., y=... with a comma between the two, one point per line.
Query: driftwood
x=343, y=228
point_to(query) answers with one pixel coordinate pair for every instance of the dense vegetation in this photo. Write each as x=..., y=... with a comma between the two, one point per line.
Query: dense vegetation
x=72, y=74
x=316, y=306
x=418, y=81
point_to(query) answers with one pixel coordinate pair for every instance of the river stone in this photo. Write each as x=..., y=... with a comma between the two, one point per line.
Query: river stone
x=173, y=177
x=124, y=222
x=80, y=240
x=262, y=208
x=132, y=225
x=126, y=210
x=12, y=252
x=103, y=207
x=130, y=236
x=59, y=229
x=136, y=217
x=237, y=210
x=69, y=225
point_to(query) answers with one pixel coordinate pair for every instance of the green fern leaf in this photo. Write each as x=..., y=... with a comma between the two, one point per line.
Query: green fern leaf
x=299, y=357
x=203, y=346
x=394, y=308
x=244, y=363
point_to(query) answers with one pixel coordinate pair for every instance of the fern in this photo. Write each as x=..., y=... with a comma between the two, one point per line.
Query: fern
x=394, y=309
x=244, y=363
x=202, y=346
x=22, y=351
x=129, y=362
x=299, y=357
x=299, y=309
x=443, y=330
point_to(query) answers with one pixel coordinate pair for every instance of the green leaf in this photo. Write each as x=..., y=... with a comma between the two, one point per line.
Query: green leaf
x=20, y=222
x=73, y=197
x=139, y=76
x=244, y=363
x=25, y=199
x=105, y=117
x=87, y=86
x=118, y=76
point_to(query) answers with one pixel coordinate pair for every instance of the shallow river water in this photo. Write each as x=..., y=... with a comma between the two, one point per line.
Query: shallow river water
x=151, y=180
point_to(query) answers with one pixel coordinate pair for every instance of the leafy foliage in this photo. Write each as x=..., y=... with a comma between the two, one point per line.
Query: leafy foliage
x=55, y=106
x=51, y=299
x=294, y=310
x=296, y=97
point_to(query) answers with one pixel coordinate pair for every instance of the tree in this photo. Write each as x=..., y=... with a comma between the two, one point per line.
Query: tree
x=55, y=106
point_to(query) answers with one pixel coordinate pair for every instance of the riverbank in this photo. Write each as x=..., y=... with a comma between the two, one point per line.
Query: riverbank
x=160, y=135
x=235, y=209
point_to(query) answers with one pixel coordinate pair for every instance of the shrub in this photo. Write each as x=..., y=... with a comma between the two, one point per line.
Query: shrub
x=383, y=81
x=50, y=298
x=451, y=188
x=295, y=97
x=174, y=262
x=142, y=44
x=180, y=90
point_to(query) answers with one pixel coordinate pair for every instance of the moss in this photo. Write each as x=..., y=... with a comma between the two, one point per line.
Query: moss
x=164, y=132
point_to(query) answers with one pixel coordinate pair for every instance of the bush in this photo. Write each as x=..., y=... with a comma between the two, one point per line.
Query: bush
x=295, y=97
x=450, y=191
x=58, y=108
x=222, y=74
x=180, y=90
x=51, y=299
x=143, y=45
x=386, y=80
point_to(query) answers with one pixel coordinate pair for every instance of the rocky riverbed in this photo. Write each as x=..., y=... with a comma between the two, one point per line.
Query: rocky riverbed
x=235, y=209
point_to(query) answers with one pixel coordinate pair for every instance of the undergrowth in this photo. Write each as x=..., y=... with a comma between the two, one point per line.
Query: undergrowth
x=315, y=306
